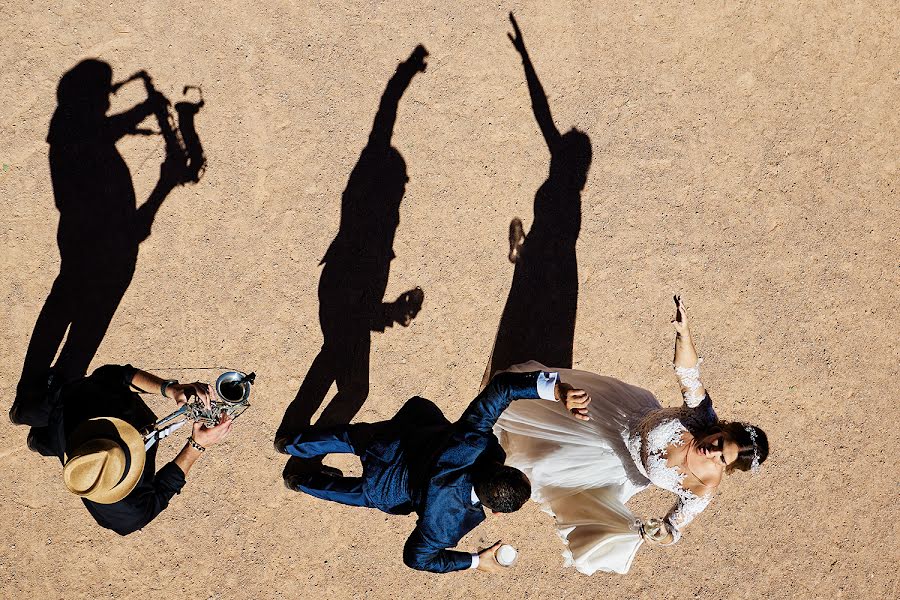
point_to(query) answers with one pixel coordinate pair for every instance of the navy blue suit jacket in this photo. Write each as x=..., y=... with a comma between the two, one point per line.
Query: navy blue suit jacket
x=427, y=467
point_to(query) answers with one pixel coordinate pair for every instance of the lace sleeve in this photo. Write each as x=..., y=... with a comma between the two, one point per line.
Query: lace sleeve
x=683, y=512
x=691, y=388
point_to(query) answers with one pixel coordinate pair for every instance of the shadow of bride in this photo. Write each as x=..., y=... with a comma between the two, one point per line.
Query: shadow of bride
x=538, y=321
x=100, y=225
x=355, y=273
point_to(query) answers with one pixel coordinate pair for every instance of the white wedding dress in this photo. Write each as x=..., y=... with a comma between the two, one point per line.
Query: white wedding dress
x=583, y=472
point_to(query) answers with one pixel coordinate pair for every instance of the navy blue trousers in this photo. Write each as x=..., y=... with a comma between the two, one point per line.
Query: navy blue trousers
x=316, y=443
x=417, y=413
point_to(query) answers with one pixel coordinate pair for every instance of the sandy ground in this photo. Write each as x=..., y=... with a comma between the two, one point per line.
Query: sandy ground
x=745, y=155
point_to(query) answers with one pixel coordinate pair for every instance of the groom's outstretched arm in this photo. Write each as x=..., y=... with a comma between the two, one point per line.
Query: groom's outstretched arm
x=424, y=553
x=486, y=408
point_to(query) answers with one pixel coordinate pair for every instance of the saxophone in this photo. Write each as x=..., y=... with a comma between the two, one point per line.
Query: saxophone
x=231, y=397
x=180, y=136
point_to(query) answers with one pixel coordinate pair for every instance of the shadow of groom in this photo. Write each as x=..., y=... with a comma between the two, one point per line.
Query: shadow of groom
x=355, y=273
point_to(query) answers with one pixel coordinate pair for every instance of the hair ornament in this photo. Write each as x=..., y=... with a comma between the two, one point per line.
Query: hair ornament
x=754, y=464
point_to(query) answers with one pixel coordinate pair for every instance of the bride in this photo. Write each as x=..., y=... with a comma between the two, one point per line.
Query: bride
x=587, y=460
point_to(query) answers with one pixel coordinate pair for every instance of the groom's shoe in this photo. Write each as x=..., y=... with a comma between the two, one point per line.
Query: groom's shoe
x=30, y=394
x=331, y=471
x=293, y=480
x=281, y=443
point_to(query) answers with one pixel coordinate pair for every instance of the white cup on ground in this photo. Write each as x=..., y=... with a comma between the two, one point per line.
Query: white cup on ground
x=506, y=555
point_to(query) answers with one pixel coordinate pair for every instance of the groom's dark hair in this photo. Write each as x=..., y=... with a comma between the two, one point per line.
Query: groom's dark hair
x=501, y=488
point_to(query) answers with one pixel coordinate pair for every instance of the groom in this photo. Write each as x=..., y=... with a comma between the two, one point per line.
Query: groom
x=420, y=462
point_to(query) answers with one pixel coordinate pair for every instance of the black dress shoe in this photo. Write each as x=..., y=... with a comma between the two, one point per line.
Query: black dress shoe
x=14, y=414
x=331, y=471
x=36, y=441
x=281, y=443
x=31, y=395
x=25, y=397
x=292, y=480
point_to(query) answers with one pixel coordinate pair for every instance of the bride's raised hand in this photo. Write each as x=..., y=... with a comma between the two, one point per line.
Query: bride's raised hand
x=680, y=322
x=576, y=400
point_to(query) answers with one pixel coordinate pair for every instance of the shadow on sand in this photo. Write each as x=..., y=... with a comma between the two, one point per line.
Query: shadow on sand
x=355, y=274
x=538, y=321
x=100, y=225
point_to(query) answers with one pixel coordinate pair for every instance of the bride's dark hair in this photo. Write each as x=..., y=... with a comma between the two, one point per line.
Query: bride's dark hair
x=739, y=433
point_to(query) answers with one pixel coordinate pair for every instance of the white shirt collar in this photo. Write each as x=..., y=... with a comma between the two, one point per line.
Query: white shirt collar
x=475, y=499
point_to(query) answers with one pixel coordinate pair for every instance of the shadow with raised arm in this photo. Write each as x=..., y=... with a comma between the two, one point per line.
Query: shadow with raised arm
x=355, y=273
x=100, y=224
x=538, y=321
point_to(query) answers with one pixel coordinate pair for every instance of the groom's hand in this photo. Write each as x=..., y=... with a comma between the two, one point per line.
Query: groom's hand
x=576, y=400
x=416, y=60
x=487, y=560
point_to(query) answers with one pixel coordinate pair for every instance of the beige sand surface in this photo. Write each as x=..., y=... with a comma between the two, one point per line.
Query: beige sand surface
x=746, y=155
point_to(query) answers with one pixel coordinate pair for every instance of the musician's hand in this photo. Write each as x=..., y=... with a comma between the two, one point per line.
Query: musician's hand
x=210, y=436
x=183, y=392
x=172, y=171
x=156, y=101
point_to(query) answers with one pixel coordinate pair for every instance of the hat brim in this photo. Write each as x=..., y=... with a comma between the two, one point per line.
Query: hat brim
x=128, y=437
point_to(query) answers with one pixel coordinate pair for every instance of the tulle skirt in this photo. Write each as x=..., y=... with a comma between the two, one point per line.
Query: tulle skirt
x=581, y=471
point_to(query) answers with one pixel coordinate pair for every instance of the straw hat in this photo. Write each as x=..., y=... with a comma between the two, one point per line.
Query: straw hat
x=107, y=460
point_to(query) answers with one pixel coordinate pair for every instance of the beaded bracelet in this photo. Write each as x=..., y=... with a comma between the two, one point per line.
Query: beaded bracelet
x=193, y=443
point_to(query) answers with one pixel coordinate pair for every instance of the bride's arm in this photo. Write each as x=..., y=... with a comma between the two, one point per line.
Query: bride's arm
x=686, y=361
x=680, y=516
x=683, y=512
